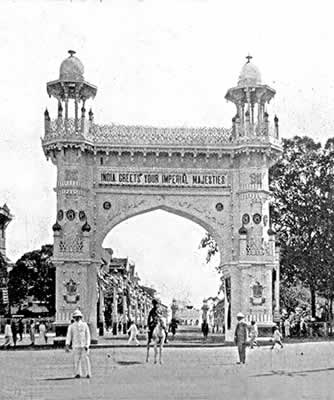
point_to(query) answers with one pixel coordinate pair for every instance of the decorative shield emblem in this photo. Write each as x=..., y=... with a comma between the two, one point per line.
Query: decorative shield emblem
x=257, y=299
x=257, y=290
x=71, y=295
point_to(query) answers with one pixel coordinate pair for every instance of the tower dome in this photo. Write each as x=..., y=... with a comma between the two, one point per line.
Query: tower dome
x=71, y=69
x=250, y=74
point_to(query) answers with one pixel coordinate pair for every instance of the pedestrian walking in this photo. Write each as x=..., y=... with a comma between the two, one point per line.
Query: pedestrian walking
x=78, y=336
x=277, y=338
x=159, y=336
x=302, y=329
x=14, y=331
x=133, y=332
x=152, y=322
x=20, y=329
x=240, y=338
x=287, y=326
x=32, y=331
x=173, y=326
x=253, y=334
x=8, y=334
x=43, y=331
x=205, y=329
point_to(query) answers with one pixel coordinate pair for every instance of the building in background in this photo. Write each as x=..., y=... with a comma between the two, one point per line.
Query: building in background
x=186, y=314
x=5, y=264
x=121, y=297
x=213, y=312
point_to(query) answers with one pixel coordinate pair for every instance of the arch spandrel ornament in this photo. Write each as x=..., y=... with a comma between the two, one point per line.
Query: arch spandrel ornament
x=127, y=207
x=212, y=176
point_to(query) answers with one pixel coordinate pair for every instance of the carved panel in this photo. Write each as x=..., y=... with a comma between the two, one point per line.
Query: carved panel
x=71, y=245
x=71, y=174
x=258, y=247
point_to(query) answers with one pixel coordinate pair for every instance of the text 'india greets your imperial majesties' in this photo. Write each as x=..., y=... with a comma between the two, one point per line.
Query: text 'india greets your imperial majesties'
x=110, y=177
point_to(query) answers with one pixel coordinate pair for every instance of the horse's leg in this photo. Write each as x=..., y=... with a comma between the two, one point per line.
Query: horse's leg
x=160, y=352
x=147, y=351
x=155, y=352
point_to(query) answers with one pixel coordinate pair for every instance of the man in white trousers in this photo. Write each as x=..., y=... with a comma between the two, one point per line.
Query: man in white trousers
x=133, y=332
x=79, y=336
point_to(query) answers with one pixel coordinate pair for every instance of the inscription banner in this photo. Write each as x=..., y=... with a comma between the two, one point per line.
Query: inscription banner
x=119, y=178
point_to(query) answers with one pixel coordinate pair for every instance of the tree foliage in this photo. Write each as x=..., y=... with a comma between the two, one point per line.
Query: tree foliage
x=302, y=212
x=33, y=275
x=210, y=244
x=292, y=296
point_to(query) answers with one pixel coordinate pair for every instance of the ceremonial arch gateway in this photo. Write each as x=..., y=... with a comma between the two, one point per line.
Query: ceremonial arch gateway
x=216, y=177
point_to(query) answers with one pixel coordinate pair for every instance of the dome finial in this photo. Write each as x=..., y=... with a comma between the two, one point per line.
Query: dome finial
x=249, y=57
x=250, y=74
x=71, y=53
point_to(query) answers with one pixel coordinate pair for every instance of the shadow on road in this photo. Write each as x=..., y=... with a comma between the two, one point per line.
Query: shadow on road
x=66, y=378
x=292, y=373
x=128, y=362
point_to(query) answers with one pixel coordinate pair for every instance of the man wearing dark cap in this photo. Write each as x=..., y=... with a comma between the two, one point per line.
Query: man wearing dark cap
x=152, y=322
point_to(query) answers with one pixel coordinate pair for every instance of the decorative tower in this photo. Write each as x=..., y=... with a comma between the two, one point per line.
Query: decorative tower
x=252, y=279
x=5, y=218
x=251, y=98
x=71, y=86
x=76, y=272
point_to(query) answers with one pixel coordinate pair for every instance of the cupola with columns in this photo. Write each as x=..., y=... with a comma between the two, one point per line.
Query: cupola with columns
x=71, y=86
x=251, y=98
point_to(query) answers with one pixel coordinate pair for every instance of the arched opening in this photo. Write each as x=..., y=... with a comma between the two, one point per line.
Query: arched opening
x=164, y=249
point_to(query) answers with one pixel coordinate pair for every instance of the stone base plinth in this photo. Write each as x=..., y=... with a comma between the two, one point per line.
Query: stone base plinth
x=61, y=329
x=59, y=342
x=265, y=329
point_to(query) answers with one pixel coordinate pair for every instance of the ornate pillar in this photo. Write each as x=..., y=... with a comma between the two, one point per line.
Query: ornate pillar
x=125, y=311
x=101, y=312
x=76, y=101
x=115, y=310
x=66, y=107
x=136, y=309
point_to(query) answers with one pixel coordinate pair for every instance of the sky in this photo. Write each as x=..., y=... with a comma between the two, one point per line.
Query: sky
x=164, y=63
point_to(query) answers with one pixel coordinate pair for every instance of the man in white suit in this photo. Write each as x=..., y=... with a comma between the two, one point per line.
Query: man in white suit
x=79, y=336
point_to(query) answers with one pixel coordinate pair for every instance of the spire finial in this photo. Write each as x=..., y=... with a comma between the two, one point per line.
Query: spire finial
x=249, y=57
x=71, y=53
